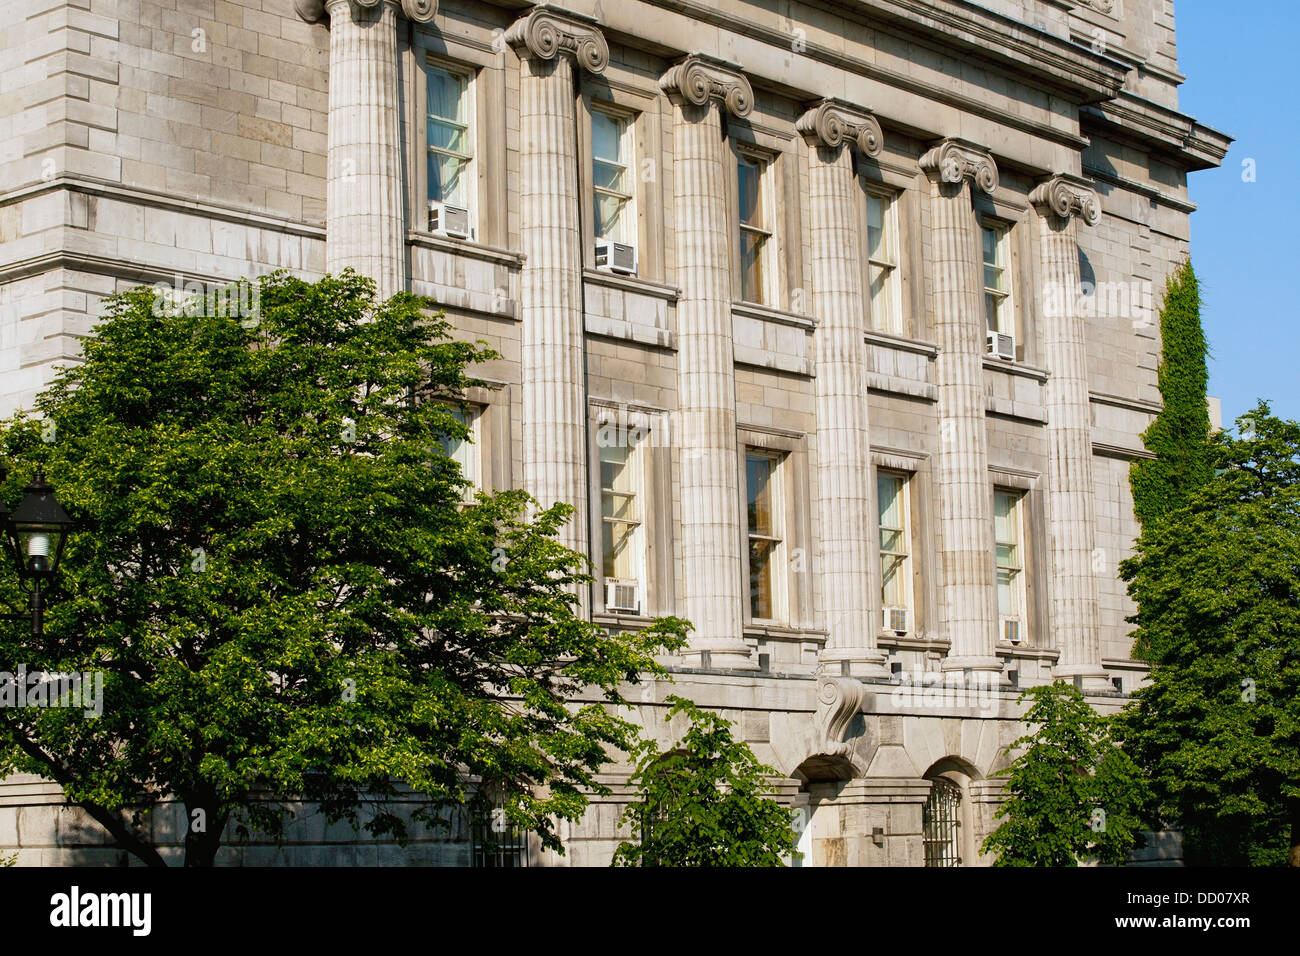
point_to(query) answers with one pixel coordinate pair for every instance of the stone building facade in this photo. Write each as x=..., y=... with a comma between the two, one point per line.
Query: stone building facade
x=834, y=321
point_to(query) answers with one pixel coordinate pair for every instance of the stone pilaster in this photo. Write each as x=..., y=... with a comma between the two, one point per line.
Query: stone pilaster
x=365, y=217
x=968, y=611
x=848, y=586
x=1071, y=511
x=549, y=42
x=711, y=539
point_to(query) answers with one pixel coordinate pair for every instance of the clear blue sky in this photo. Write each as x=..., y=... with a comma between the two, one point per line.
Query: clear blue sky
x=1240, y=61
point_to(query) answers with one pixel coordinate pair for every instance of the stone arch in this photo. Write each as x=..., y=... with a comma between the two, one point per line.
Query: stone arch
x=948, y=775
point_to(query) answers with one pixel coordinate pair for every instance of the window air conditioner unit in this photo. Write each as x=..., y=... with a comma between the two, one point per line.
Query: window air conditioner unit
x=894, y=619
x=1002, y=346
x=1011, y=629
x=622, y=596
x=616, y=257
x=448, y=220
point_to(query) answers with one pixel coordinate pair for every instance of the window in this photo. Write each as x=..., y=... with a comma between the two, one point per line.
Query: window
x=998, y=312
x=450, y=152
x=465, y=451
x=753, y=191
x=612, y=167
x=895, y=546
x=495, y=842
x=941, y=824
x=765, y=501
x=1008, y=533
x=622, y=527
x=882, y=264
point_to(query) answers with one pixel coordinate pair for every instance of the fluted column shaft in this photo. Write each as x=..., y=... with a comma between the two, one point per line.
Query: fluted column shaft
x=849, y=587
x=553, y=347
x=1071, y=508
x=711, y=538
x=967, y=609
x=365, y=221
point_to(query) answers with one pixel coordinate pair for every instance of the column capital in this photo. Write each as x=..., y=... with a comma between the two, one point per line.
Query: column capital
x=421, y=11
x=832, y=121
x=953, y=160
x=547, y=31
x=698, y=79
x=1067, y=195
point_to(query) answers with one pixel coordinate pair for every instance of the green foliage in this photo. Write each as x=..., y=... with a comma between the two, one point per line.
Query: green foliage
x=274, y=570
x=1072, y=795
x=707, y=802
x=1217, y=587
x=1179, y=434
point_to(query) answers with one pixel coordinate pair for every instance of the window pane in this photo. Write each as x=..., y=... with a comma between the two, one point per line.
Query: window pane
x=620, y=551
x=758, y=485
x=609, y=210
x=749, y=178
x=751, y=266
x=876, y=247
x=889, y=492
x=993, y=278
x=760, y=578
x=620, y=514
x=891, y=581
x=606, y=137
x=1004, y=518
x=1008, y=593
x=448, y=136
x=992, y=310
x=447, y=182
x=990, y=240
x=609, y=176
x=882, y=303
x=446, y=95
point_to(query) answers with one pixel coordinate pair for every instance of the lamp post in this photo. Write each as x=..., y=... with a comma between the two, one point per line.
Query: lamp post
x=36, y=531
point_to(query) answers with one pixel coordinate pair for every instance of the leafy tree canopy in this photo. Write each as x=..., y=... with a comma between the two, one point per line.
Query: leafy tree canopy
x=1217, y=587
x=1072, y=795
x=276, y=573
x=706, y=802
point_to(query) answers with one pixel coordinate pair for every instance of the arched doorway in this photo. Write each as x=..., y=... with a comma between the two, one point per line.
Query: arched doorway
x=947, y=836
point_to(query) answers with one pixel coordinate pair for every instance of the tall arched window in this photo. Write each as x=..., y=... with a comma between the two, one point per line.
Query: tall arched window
x=941, y=824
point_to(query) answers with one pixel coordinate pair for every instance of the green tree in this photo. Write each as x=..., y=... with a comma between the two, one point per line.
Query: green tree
x=276, y=572
x=1217, y=586
x=1179, y=434
x=706, y=802
x=1072, y=794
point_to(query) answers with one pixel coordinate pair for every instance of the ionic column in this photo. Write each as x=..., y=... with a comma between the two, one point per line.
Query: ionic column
x=848, y=586
x=554, y=372
x=967, y=608
x=365, y=219
x=711, y=538
x=1071, y=508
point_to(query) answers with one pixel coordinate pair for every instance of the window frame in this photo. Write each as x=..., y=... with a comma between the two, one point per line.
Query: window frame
x=1004, y=299
x=468, y=73
x=636, y=465
x=471, y=415
x=1019, y=498
x=907, y=531
x=894, y=276
x=779, y=537
x=629, y=220
x=768, y=255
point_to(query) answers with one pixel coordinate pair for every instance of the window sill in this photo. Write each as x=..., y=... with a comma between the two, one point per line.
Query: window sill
x=766, y=313
x=892, y=341
x=465, y=247
x=1015, y=368
x=637, y=284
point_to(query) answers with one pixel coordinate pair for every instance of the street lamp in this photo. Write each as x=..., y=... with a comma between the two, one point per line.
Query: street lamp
x=36, y=530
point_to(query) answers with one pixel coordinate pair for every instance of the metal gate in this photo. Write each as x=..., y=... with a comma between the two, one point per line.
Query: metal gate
x=941, y=824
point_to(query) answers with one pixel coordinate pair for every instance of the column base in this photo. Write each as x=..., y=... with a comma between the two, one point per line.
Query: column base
x=1088, y=677
x=977, y=670
x=720, y=653
x=854, y=662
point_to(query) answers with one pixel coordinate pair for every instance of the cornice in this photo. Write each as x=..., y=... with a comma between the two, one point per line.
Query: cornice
x=699, y=79
x=954, y=160
x=833, y=122
x=420, y=11
x=1191, y=144
x=1066, y=196
x=548, y=31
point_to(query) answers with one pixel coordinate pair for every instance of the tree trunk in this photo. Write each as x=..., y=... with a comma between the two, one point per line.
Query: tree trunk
x=1293, y=858
x=204, y=826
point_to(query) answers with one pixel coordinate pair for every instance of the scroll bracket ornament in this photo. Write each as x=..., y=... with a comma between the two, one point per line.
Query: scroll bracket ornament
x=838, y=701
x=698, y=80
x=1067, y=196
x=421, y=11
x=955, y=159
x=548, y=31
x=832, y=122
